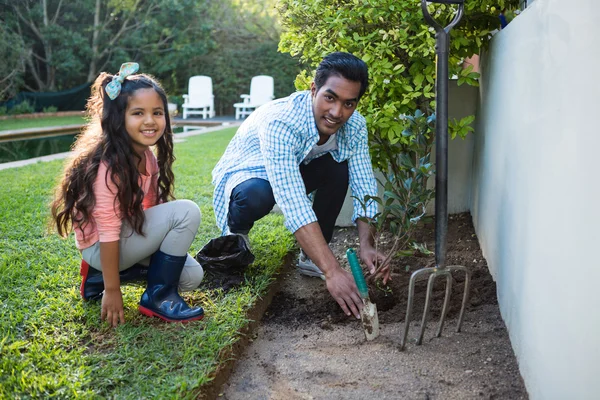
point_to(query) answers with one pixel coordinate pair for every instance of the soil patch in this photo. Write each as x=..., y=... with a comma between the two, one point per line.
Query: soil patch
x=462, y=249
x=306, y=348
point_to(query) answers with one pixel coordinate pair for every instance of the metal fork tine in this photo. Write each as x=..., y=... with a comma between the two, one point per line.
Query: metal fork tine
x=466, y=292
x=411, y=292
x=434, y=273
x=446, y=302
x=426, y=308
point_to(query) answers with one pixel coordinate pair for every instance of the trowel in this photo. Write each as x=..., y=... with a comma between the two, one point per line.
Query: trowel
x=368, y=314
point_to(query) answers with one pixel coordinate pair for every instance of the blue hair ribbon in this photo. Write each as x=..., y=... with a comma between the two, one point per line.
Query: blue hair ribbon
x=114, y=87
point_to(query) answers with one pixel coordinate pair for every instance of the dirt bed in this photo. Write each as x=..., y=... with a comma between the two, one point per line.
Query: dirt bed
x=306, y=348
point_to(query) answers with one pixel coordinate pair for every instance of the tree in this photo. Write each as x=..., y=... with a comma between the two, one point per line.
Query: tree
x=12, y=67
x=246, y=43
x=67, y=43
x=36, y=28
x=59, y=44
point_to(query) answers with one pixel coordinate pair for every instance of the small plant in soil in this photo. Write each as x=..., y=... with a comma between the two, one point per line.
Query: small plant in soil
x=405, y=193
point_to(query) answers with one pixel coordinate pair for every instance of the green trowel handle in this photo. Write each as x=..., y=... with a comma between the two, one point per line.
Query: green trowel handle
x=357, y=273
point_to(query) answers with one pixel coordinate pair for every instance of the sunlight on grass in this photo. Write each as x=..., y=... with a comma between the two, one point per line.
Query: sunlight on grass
x=54, y=344
x=43, y=122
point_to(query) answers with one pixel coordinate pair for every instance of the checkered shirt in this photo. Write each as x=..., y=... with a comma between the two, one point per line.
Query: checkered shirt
x=272, y=143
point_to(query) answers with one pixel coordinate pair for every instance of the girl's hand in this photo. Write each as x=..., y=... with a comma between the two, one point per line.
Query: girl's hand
x=112, y=301
x=112, y=307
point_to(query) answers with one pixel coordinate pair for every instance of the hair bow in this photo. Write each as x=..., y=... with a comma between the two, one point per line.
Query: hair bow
x=114, y=87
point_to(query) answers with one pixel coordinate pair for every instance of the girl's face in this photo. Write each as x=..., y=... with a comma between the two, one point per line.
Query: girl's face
x=145, y=120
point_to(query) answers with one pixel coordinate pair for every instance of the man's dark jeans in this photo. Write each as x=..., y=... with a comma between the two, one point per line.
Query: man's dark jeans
x=253, y=199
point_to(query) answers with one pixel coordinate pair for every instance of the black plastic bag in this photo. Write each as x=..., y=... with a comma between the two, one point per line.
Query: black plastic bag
x=224, y=260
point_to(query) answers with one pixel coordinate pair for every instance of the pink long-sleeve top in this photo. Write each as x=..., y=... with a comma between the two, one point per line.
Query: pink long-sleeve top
x=105, y=220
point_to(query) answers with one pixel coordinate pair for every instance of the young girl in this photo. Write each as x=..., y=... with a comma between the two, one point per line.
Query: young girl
x=115, y=195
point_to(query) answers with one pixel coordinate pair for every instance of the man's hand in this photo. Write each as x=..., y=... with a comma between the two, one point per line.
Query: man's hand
x=340, y=282
x=374, y=260
x=342, y=288
x=112, y=308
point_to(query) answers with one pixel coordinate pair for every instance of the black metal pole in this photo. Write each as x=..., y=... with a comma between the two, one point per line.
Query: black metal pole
x=442, y=45
x=441, y=148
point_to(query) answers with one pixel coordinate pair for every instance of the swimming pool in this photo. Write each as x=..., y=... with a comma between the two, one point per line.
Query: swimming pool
x=16, y=150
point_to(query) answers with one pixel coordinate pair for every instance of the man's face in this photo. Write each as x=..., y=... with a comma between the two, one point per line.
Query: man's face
x=333, y=104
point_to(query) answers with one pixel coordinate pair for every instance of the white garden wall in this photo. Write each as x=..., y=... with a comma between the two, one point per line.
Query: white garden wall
x=535, y=192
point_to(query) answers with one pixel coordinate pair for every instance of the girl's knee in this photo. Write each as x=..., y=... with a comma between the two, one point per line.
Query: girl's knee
x=189, y=211
x=191, y=276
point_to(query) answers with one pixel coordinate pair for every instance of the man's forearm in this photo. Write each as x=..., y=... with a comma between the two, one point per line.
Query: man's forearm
x=366, y=233
x=311, y=240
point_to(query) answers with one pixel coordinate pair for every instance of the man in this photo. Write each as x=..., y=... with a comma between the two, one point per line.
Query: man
x=310, y=142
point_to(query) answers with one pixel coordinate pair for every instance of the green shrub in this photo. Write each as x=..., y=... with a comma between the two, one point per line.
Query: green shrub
x=405, y=193
x=392, y=37
x=25, y=107
x=50, y=109
x=176, y=100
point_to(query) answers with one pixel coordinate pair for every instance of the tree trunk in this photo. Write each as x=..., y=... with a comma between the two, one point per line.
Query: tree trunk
x=50, y=70
x=93, y=68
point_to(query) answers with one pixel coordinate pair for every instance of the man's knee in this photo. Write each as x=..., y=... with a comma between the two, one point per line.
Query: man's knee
x=325, y=172
x=254, y=196
x=340, y=175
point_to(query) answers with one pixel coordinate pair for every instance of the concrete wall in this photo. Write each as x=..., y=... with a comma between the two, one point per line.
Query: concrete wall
x=535, y=192
x=462, y=102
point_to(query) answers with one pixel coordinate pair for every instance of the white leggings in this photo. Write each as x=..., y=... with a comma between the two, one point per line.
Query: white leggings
x=169, y=227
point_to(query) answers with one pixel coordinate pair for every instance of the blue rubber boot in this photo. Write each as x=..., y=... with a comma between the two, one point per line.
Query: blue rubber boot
x=161, y=298
x=92, y=283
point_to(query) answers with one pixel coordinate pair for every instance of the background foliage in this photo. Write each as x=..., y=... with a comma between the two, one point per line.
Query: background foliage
x=392, y=37
x=55, y=45
x=246, y=45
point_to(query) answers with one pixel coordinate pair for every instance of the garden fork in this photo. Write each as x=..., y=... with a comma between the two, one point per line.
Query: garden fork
x=441, y=186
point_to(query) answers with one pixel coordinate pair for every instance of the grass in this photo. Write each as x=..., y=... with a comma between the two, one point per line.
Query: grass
x=52, y=344
x=43, y=122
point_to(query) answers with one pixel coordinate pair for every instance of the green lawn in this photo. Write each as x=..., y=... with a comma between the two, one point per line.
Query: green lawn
x=23, y=123
x=52, y=344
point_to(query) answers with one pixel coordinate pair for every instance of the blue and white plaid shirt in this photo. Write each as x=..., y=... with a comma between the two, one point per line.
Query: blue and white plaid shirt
x=273, y=142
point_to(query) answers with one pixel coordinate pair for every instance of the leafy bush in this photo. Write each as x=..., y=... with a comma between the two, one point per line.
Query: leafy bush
x=405, y=192
x=176, y=100
x=50, y=109
x=24, y=107
x=392, y=37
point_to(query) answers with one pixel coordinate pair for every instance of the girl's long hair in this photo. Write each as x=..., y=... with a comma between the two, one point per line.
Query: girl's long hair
x=105, y=139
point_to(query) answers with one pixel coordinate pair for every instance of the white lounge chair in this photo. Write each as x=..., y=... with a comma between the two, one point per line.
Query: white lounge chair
x=261, y=92
x=200, y=99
